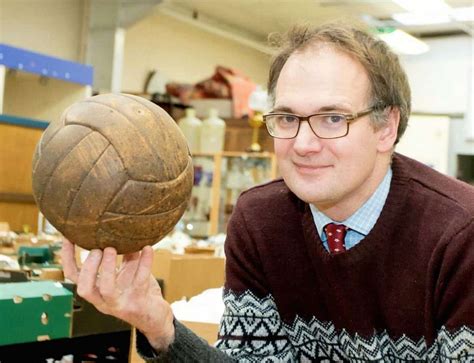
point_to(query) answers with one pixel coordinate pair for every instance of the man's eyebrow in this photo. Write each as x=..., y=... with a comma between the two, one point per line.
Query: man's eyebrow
x=336, y=107
x=282, y=109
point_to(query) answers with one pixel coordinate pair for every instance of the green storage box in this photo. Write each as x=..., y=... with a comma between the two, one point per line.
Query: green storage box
x=34, y=311
x=34, y=254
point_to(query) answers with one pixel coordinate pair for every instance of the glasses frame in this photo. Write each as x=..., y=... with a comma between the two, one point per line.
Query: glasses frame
x=350, y=118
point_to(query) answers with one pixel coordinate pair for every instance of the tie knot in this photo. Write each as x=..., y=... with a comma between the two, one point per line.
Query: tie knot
x=336, y=234
x=335, y=228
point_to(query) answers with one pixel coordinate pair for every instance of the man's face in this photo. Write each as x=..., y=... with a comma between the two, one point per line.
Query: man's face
x=336, y=173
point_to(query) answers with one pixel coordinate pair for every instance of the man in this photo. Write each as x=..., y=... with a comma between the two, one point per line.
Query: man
x=358, y=254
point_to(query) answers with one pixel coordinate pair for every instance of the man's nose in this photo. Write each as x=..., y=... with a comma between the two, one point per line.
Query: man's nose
x=306, y=141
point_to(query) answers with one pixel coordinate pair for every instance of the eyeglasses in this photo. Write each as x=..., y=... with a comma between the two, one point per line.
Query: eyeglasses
x=325, y=125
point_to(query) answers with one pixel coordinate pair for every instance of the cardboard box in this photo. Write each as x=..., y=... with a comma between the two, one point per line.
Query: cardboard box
x=33, y=311
x=187, y=275
x=4, y=226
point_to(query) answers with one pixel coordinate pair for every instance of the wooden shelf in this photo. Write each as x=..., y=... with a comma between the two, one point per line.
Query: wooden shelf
x=17, y=198
x=23, y=121
x=216, y=188
x=44, y=65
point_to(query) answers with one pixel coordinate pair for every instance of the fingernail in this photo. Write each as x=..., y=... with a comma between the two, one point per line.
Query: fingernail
x=109, y=250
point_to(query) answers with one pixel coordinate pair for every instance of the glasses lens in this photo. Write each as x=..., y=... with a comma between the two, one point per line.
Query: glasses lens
x=329, y=126
x=282, y=125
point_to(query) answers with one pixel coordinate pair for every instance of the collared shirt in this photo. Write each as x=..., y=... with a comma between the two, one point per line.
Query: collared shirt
x=362, y=221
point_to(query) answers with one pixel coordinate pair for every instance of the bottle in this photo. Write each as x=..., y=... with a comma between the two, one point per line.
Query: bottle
x=191, y=126
x=213, y=133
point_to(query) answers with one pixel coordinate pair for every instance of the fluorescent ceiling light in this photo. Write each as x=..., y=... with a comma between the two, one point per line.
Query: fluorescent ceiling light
x=401, y=42
x=421, y=19
x=428, y=17
x=423, y=6
x=463, y=14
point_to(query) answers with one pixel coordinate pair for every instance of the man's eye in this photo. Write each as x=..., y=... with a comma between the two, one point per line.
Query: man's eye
x=287, y=119
x=334, y=119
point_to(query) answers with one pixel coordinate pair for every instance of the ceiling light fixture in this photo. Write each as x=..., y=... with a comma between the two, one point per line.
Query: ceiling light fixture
x=421, y=19
x=424, y=6
x=463, y=14
x=402, y=42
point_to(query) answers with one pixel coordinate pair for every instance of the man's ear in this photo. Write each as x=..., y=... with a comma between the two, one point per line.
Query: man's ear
x=388, y=132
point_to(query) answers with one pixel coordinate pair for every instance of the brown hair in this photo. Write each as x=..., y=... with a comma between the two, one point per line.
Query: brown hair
x=389, y=83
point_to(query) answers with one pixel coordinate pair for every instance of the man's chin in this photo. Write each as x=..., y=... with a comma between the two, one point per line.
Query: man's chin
x=312, y=198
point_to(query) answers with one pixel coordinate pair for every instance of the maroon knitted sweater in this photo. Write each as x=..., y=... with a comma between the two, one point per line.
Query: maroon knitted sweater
x=405, y=292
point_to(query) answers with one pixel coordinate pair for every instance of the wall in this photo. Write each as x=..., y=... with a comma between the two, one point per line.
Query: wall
x=441, y=82
x=183, y=53
x=27, y=95
x=52, y=27
x=439, y=79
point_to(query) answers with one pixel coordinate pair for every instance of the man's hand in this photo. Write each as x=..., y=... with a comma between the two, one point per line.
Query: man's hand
x=130, y=293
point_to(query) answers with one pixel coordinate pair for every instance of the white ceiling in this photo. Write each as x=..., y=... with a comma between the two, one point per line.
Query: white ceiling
x=253, y=20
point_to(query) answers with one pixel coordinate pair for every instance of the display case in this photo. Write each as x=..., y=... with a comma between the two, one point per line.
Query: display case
x=218, y=181
x=34, y=90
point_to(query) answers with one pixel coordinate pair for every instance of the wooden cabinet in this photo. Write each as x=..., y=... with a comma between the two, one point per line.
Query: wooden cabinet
x=218, y=181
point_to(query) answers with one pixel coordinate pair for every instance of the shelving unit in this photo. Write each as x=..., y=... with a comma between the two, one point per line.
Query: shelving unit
x=214, y=188
x=34, y=90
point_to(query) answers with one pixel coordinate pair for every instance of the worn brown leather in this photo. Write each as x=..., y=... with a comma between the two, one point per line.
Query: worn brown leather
x=115, y=170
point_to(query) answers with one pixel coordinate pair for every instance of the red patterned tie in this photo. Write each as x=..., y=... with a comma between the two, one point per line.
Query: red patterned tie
x=335, y=234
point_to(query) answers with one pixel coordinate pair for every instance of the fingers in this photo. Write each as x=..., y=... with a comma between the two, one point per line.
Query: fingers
x=144, y=267
x=86, y=282
x=68, y=259
x=104, y=291
x=107, y=281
